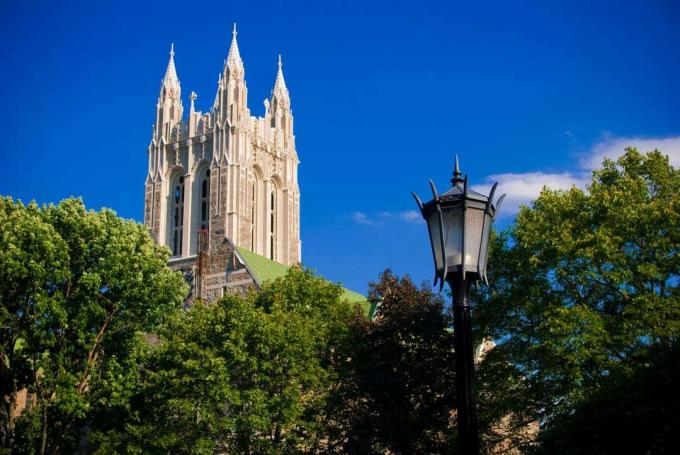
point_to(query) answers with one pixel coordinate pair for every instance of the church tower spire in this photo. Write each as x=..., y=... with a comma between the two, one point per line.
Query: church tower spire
x=234, y=61
x=171, y=72
x=231, y=99
x=281, y=115
x=280, y=83
x=169, y=108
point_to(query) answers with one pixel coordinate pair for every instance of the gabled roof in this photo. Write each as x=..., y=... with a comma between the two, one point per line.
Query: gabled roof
x=264, y=269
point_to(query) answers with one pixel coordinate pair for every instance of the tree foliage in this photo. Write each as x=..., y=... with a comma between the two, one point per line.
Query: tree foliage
x=396, y=394
x=581, y=285
x=636, y=411
x=76, y=289
x=243, y=375
x=583, y=303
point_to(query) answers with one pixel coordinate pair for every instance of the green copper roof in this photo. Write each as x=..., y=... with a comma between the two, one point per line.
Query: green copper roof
x=265, y=269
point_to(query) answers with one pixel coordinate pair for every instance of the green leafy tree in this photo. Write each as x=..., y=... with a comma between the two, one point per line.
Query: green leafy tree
x=31, y=254
x=580, y=286
x=242, y=375
x=315, y=320
x=77, y=289
x=397, y=392
x=636, y=412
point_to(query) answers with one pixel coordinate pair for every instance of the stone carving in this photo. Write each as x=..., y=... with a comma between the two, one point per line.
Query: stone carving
x=177, y=136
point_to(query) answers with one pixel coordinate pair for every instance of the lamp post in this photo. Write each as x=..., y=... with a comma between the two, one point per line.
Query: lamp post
x=459, y=223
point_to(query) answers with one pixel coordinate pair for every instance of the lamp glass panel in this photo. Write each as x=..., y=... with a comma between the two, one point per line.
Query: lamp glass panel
x=474, y=218
x=484, y=250
x=435, y=239
x=453, y=235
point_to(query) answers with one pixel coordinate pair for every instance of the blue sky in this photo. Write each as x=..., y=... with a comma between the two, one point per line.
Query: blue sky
x=384, y=93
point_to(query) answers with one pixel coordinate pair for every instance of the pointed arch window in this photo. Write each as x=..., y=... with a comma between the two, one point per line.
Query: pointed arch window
x=204, y=200
x=177, y=216
x=275, y=112
x=272, y=224
x=253, y=214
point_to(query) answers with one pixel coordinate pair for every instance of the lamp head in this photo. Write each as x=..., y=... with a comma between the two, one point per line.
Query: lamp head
x=459, y=225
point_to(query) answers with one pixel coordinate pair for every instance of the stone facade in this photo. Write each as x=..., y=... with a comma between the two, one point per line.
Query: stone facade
x=222, y=179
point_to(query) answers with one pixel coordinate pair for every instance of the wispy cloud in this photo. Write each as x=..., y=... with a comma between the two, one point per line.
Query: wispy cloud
x=522, y=188
x=361, y=218
x=407, y=216
x=411, y=216
x=612, y=147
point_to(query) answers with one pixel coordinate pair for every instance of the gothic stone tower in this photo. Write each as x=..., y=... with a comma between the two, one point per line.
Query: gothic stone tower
x=223, y=181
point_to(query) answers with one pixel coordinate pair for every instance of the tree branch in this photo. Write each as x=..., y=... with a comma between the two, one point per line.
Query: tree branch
x=92, y=354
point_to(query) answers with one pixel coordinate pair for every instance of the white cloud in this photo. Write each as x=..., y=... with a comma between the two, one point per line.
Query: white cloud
x=613, y=147
x=408, y=216
x=522, y=188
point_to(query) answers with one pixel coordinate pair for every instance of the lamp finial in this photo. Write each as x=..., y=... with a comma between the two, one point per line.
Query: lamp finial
x=456, y=173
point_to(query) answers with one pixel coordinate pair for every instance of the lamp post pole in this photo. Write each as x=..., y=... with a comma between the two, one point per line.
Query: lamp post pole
x=464, y=363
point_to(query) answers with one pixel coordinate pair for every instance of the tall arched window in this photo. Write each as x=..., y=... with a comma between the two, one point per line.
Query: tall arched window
x=253, y=214
x=272, y=223
x=204, y=200
x=177, y=216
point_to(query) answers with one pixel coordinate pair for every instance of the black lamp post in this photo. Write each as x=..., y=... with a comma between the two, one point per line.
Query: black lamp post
x=459, y=223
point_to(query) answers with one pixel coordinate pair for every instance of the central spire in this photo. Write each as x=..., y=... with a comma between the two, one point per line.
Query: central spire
x=234, y=57
x=171, y=72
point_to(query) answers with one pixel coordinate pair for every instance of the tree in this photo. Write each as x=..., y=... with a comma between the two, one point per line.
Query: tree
x=31, y=254
x=396, y=394
x=242, y=375
x=635, y=412
x=580, y=287
x=77, y=288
